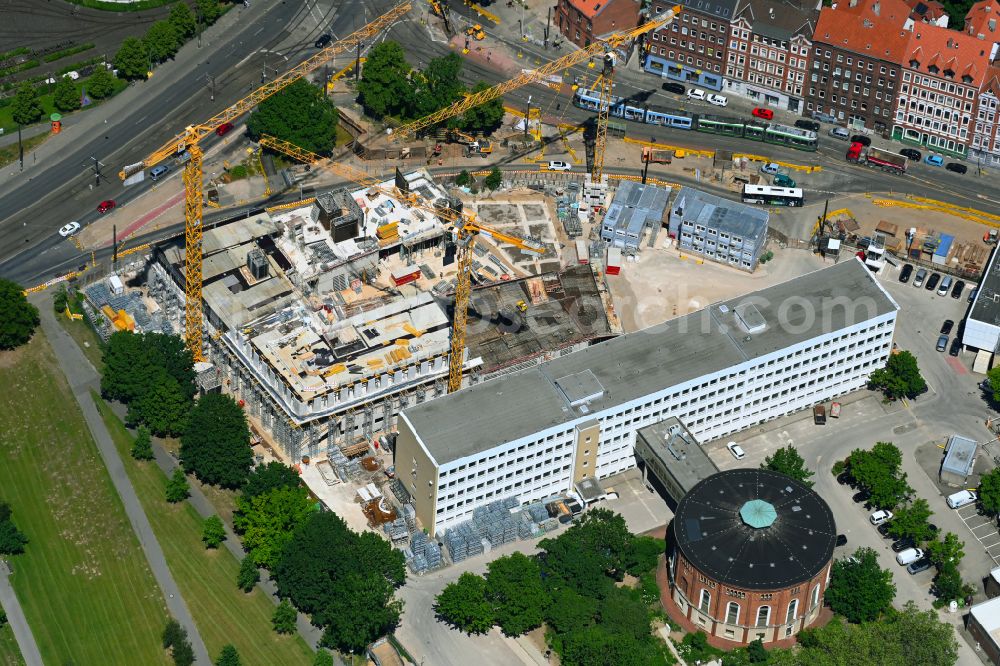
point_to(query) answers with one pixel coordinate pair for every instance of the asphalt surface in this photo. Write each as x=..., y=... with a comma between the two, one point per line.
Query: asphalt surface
x=83, y=378
x=18, y=622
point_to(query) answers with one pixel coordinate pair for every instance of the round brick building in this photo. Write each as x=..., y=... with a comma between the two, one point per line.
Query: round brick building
x=749, y=556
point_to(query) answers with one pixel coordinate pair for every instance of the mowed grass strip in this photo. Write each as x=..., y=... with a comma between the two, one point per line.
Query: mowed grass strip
x=84, y=582
x=207, y=578
x=10, y=654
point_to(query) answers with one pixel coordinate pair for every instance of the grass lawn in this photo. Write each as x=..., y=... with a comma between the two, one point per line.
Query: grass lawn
x=86, y=339
x=10, y=655
x=207, y=578
x=84, y=582
x=9, y=154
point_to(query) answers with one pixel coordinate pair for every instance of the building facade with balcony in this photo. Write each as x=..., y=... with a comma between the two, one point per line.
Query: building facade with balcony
x=768, y=52
x=943, y=71
x=692, y=49
x=584, y=21
x=985, y=147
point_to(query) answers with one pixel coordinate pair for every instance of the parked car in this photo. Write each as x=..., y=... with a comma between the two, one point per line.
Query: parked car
x=961, y=498
x=933, y=281
x=923, y=564
x=824, y=117
x=766, y=114
x=861, y=496
x=972, y=294
x=696, y=94
x=781, y=180
x=921, y=275
x=807, y=124
x=845, y=479
x=841, y=540
x=902, y=544
x=158, y=171
x=909, y=556
x=106, y=205
x=947, y=326
x=904, y=275
x=862, y=139
x=911, y=154
x=770, y=168
x=675, y=88
x=323, y=40
x=557, y=165
x=840, y=133
x=934, y=160
x=880, y=516
x=942, y=343
x=223, y=129
x=883, y=529
x=736, y=450
x=956, y=292
x=717, y=100
x=956, y=347
x=956, y=167
x=69, y=229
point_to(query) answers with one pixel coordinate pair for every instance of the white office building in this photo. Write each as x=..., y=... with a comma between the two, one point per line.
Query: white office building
x=722, y=369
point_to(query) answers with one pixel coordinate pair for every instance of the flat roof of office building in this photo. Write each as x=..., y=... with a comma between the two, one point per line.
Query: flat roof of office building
x=724, y=215
x=986, y=307
x=705, y=342
x=755, y=529
x=679, y=450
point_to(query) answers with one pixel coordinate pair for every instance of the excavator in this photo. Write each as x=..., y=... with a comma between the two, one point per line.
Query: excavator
x=473, y=145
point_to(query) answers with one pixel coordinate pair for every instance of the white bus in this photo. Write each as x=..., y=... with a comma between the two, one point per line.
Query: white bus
x=772, y=196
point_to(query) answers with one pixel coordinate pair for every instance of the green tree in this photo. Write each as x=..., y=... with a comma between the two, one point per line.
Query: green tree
x=596, y=645
x=323, y=658
x=173, y=634
x=899, y=378
x=989, y=489
x=590, y=555
x=216, y=443
x=213, y=532
x=756, y=652
x=177, y=487
x=859, y=589
x=694, y=647
x=12, y=540
x=485, y=118
x=343, y=580
x=945, y=550
x=131, y=362
x=569, y=610
x=463, y=605
x=132, y=61
x=284, y=618
x=161, y=41
x=18, y=317
x=463, y=178
x=101, y=83
x=268, y=521
x=25, y=108
x=643, y=554
x=248, y=576
x=66, y=96
x=912, y=522
x=385, y=88
x=209, y=10
x=267, y=477
x=163, y=407
x=3, y=618
x=494, y=179
x=514, y=588
x=142, y=447
x=787, y=461
x=183, y=20
x=948, y=584
x=623, y=614
x=183, y=653
x=878, y=471
x=300, y=114
x=437, y=86
x=994, y=378
x=228, y=657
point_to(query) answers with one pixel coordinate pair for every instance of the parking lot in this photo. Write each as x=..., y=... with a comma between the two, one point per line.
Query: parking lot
x=984, y=530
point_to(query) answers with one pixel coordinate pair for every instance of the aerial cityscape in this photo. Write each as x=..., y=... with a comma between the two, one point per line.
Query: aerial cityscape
x=509, y=332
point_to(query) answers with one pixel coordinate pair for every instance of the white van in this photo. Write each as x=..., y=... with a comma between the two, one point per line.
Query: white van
x=945, y=286
x=840, y=133
x=909, y=555
x=696, y=93
x=961, y=498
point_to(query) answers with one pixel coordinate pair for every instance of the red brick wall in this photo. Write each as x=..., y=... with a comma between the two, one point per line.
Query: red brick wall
x=615, y=15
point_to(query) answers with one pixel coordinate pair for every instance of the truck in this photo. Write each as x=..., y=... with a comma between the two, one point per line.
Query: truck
x=876, y=158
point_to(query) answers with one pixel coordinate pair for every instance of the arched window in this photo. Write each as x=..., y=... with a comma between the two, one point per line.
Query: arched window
x=763, y=616
x=815, y=596
x=705, y=601
x=732, y=613
x=793, y=611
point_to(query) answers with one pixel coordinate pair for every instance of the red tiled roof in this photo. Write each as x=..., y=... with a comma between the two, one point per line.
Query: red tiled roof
x=977, y=20
x=925, y=10
x=870, y=28
x=591, y=8
x=992, y=79
x=963, y=54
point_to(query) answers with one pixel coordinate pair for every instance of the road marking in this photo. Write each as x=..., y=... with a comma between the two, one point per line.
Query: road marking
x=259, y=30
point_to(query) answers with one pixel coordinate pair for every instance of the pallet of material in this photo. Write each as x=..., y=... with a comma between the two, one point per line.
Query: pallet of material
x=326, y=473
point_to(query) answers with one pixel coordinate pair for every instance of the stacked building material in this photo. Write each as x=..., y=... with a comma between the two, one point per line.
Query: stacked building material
x=396, y=530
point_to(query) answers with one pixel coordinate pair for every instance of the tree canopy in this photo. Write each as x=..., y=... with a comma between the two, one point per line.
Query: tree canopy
x=900, y=378
x=514, y=588
x=66, y=96
x=344, y=580
x=268, y=521
x=437, y=85
x=494, y=179
x=384, y=88
x=101, y=83
x=283, y=619
x=142, y=447
x=215, y=445
x=912, y=521
x=269, y=476
x=213, y=532
x=787, y=461
x=12, y=540
x=948, y=584
x=859, y=589
x=946, y=550
x=25, y=108
x=485, y=118
x=463, y=605
x=132, y=61
x=177, y=489
x=248, y=576
x=878, y=472
x=18, y=317
x=300, y=114
x=161, y=41
x=989, y=490
x=228, y=656
x=183, y=20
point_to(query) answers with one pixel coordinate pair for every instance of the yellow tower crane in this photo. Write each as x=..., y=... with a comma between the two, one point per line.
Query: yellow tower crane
x=604, y=48
x=189, y=141
x=466, y=229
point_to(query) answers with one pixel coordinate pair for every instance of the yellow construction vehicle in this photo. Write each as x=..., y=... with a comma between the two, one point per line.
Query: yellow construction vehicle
x=481, y=146
x=476, y=32
x=465, y=231
x=522, y=306
x=187, y=143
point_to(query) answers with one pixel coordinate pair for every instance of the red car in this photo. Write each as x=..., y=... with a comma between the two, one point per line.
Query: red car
x=106, y=205
x=766, y=114
x=223, y=129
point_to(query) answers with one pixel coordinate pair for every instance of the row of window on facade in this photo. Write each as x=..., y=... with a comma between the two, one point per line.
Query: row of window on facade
x=763, y=619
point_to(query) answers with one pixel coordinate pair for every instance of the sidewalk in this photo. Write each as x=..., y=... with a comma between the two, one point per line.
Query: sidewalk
x=18, y=623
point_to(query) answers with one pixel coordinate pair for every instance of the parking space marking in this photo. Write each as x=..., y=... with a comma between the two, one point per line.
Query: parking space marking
x=970, y=516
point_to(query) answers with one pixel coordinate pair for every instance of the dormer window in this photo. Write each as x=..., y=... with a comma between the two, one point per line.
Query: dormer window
x=933, y=69
x=915, y=64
